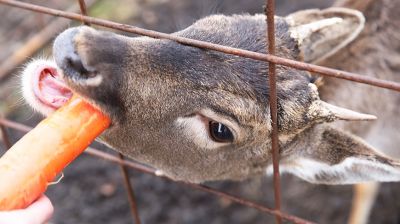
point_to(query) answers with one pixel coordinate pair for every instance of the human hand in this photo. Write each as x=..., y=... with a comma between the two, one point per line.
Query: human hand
x=38, y=212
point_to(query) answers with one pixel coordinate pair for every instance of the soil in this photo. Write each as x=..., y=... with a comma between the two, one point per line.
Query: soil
x=92, y=190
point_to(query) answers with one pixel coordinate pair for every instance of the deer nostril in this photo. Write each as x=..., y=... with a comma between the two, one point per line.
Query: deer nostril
x=74, y=63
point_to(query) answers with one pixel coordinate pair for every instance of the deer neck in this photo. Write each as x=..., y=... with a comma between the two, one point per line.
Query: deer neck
x=374, y=53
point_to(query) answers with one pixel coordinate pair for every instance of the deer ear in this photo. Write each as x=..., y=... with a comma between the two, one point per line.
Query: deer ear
x=321, y=33
x=330, y=156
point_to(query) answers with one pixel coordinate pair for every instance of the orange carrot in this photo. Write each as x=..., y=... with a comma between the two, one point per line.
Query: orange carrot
x=34, y=161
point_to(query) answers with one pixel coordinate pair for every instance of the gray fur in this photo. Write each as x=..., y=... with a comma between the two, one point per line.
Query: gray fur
x=374, y=53
x=149, y=84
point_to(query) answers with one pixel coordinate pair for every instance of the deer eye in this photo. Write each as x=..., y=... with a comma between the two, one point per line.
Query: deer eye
x=220, y=132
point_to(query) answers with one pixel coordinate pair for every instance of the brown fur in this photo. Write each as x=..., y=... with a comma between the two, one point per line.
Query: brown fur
x=161, y=96
x=374, y=53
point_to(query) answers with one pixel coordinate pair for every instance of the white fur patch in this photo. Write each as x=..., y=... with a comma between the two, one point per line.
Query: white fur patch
x=350, y=171
x=197, y=131
x=302, y=32
x=196, y=128
x=92, y=82
x=159, y=173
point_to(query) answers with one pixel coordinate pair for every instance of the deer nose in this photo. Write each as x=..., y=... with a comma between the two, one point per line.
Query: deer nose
x=65, y=54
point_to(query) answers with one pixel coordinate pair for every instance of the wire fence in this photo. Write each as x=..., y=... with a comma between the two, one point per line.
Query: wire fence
x=270, y=58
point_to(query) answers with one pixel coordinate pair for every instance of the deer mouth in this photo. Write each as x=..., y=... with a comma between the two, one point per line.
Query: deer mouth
x=49, y=88
x=44, y=87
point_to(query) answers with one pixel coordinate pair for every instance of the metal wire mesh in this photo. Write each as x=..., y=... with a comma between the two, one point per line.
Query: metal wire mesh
x=270, y=58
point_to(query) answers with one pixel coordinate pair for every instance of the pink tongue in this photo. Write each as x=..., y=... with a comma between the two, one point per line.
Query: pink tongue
x=50, y=89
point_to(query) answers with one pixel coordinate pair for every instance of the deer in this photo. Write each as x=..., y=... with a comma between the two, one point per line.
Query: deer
x=378, y=58
x=199, y=115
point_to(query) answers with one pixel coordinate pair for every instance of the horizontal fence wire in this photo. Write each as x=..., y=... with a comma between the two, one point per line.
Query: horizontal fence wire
x=207, y=45
x=145, y=169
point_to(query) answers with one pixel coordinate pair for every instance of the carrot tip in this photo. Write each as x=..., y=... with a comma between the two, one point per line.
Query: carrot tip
x=34, y=161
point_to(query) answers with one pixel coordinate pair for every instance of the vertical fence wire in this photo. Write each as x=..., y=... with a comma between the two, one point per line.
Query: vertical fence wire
x=82, y=6
x=36, y=42
x=273, y=103
x=129, y=189
x=5, y=137
x=124, y=170
x=270, y=57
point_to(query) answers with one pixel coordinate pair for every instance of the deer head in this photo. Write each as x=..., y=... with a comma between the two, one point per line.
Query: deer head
x=200, y=115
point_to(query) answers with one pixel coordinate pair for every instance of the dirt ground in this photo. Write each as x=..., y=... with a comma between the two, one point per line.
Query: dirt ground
x=92, y=189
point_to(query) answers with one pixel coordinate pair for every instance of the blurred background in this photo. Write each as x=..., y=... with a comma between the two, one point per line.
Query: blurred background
x=92, y=190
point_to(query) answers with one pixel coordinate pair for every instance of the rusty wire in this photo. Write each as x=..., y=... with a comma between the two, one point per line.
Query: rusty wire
x=5, y=137
x=82, y=6
x=129, y=189
x=207, y=45
x=145, y=169
x=270, y=57
x=273, y=104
